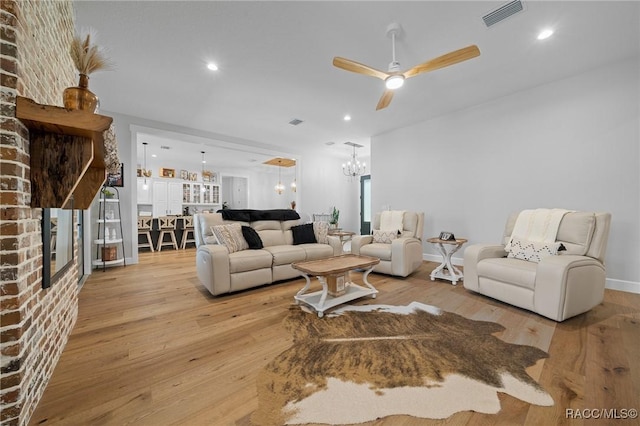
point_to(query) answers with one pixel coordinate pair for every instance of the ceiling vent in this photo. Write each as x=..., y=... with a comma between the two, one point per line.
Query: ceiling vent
x=356, y=145
x=502, y=13
x=295, y=122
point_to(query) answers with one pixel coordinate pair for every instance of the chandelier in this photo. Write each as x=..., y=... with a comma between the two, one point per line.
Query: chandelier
x=354, y=167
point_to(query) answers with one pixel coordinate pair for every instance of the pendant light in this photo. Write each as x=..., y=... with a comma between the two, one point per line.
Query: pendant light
x=279, y=187
x=203, y=163
x=294, y=185
x=144, y=168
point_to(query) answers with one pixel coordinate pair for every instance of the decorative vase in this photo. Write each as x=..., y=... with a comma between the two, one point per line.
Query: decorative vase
x=80, y=97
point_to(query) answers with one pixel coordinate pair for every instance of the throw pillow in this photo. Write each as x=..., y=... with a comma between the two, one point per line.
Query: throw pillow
x=252, y=238
x=321, y=230
x=303, y=234
x=532, y=251
x=230, y=236
x=384, y=237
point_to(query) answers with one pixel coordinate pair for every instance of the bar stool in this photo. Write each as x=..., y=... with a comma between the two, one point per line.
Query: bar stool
x=144, y=229
x=167, y=225
x=187, y=229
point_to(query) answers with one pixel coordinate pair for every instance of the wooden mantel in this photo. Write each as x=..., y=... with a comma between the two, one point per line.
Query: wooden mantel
x=67, y=154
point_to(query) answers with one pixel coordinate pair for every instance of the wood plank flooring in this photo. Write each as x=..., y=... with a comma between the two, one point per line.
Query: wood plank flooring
x=152, y=347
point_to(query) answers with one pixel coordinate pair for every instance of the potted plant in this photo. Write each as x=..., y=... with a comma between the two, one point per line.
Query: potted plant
x=335, y=216
x=107, y=193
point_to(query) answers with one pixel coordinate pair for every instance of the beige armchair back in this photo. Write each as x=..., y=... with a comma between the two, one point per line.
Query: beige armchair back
x=413, y=224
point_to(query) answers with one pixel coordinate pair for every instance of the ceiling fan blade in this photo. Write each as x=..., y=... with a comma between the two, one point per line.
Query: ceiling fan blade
x=450, y=58
x=385, y=99
x=353, y=66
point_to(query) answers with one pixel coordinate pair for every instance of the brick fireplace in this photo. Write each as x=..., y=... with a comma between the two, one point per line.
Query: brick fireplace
x=34, y=323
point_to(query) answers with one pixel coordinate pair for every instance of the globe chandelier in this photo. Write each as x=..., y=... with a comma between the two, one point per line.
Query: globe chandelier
x=354, y=167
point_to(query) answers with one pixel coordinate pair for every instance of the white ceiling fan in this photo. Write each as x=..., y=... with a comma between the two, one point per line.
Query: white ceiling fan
x=394, y=78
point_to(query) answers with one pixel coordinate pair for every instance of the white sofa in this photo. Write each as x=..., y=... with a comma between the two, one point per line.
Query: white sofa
x=399, y=257
x=223, y=272
x=559, y=286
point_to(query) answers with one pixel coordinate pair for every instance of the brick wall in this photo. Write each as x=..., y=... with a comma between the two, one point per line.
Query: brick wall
x=34, y=323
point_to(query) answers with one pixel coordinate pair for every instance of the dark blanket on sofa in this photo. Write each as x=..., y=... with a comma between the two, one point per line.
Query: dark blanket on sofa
x=248, y=215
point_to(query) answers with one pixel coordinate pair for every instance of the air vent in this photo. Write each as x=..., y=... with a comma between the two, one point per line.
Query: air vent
x=354, y=144
x=502, y=13
x=295, y=122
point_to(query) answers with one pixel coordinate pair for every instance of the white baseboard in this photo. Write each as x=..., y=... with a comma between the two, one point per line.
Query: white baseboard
x=612, y=284
x=628, y=286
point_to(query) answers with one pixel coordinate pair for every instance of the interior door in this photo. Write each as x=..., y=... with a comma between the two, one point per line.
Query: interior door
x=160, y=199
x=365, y=205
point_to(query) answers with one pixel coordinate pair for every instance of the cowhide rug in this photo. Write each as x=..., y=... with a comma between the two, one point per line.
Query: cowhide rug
x=360, y=363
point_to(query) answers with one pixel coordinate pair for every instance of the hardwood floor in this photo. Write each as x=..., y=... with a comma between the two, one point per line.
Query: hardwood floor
x=152, y=347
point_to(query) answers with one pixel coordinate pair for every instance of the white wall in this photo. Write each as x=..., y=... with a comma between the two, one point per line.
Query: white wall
x=570, y=144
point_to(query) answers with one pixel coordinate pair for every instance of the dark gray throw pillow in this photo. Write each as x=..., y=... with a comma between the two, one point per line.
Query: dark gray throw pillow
x=252, y=237
x=303, y=234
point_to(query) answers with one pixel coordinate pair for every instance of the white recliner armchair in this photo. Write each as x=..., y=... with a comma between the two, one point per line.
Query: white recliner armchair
x=400, y=255
x=560, y=285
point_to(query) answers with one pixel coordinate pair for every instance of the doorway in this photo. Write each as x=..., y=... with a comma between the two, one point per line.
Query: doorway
x=235, y=192
x=365, y=205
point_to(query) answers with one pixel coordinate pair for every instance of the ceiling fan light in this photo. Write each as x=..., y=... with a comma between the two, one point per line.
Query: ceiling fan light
x=394, y=82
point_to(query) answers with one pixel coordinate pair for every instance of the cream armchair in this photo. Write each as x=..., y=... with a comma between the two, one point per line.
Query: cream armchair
x=559, y=286
x=402, y=255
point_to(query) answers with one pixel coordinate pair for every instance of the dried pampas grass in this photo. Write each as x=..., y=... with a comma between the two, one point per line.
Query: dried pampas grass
x=88, y=57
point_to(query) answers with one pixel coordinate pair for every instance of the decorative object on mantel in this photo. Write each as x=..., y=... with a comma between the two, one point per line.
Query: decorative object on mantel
x=111, y=158
x=87, y=58
x=353, y=167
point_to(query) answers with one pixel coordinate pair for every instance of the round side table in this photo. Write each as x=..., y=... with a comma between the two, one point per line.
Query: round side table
x=447, y=248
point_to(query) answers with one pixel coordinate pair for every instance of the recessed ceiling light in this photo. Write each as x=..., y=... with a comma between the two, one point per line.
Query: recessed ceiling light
x=154, y=155
x=347, y=117
x=212, y=66
x=545, y=34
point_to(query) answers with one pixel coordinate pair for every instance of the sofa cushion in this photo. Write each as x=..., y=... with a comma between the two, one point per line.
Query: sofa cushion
x=575, y=232
x=379, y=250
x=249, y=260
x=303, y=234
x=285, y=254
x=316, y=251
x=513, y=271
x=206, y=221
x=272, y=237
x=384, y=237
x=532, y=251
x=252, y=238
x=321, y=230
x=230, y=236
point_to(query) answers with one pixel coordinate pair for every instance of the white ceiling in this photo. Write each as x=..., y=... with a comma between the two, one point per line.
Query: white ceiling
x=275, y=61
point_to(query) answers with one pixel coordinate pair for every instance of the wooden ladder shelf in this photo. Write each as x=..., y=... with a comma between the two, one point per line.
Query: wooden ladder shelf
x=67, y=154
